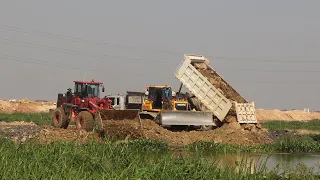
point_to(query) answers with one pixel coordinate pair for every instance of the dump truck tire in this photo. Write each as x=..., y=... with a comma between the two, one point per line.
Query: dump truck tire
x=59, y=118
x=84, y=121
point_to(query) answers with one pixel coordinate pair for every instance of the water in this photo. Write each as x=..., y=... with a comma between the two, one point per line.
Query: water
x=282, y=162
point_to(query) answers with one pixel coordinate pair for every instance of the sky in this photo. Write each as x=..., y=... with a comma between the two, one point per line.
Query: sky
x=267, y=50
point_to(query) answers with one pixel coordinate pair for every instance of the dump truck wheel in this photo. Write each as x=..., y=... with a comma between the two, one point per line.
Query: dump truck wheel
x=59, y=118
x=84, y=121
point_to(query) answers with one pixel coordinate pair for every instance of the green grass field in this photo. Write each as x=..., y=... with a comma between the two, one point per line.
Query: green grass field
x=294, y=125
x=37, y=118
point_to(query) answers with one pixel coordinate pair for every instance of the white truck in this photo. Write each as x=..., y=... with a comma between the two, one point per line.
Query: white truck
x=214, y=99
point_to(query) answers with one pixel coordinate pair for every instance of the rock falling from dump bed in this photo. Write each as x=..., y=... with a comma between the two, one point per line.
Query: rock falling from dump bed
x=219, y=83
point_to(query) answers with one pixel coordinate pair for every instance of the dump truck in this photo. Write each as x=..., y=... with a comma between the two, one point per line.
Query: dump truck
x=117, y=101
x=211, y=92
x=85, y=107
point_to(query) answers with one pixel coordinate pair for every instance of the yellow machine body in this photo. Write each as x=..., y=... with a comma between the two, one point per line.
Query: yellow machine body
x=156, y=103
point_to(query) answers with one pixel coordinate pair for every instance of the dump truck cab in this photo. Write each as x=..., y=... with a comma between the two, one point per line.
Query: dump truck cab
x=117, y=101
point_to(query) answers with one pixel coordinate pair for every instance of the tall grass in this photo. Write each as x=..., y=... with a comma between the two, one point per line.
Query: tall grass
x=63, y=160
x=300, y=144
x=37, y=118
x=280, y=125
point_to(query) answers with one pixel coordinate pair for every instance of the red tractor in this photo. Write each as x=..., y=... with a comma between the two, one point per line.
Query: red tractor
x=85, y=107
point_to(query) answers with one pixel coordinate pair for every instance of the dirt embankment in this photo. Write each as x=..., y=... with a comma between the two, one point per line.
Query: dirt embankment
x=231, y=133
x=295, y=115
x=25, y=106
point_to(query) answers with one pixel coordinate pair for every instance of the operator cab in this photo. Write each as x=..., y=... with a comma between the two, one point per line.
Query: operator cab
x=87, y=88
x=157, y=95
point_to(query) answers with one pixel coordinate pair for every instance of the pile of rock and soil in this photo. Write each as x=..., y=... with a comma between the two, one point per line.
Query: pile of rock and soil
x=218, y=82
x=230, y=133
x=49, y=134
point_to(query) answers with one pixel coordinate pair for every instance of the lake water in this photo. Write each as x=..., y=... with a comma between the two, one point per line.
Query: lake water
x=281, y=161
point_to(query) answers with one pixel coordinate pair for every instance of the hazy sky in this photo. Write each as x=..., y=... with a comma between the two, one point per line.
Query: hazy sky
x=131, y=44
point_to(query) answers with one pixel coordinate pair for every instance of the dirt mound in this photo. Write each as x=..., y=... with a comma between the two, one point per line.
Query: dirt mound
x=231, y=133
x=123, y=128
x=50, y=134
x=25, y=106
x=296, y=115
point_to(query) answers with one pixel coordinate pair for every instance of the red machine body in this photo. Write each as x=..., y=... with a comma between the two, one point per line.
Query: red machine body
x=84, y=106
x=81, y=105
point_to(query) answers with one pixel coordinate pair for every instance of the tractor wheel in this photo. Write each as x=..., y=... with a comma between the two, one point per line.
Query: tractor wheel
x=59, y=118
x=84, y=121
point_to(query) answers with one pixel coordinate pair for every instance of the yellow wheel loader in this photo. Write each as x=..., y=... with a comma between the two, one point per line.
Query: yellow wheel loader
x=167, y=108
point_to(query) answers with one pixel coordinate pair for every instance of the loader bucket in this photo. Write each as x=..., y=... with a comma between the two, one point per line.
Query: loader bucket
x=195, y=118
x=111, y=114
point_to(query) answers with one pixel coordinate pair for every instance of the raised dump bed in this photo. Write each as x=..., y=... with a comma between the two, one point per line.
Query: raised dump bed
x=211, y=89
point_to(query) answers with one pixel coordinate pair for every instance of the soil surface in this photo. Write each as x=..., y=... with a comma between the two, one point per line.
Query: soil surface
x=294, y=115
x=231, y=133
x=18, y=131
x=49, y=134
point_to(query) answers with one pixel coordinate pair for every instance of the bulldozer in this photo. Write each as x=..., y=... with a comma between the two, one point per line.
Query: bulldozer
x=168, y=108
x=85, y=107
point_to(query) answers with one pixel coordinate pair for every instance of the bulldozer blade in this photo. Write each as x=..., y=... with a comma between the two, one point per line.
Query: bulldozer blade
x=195, y=118
x=111, y=114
